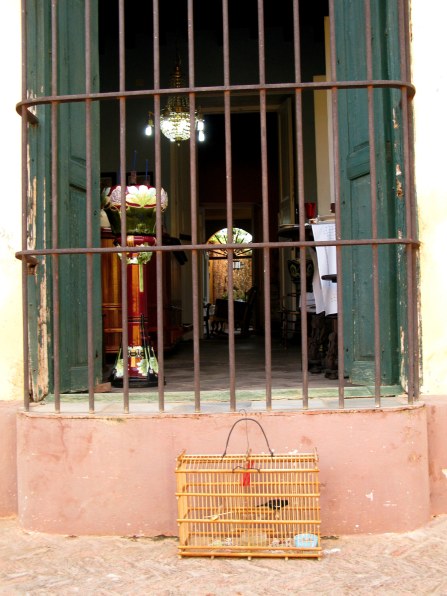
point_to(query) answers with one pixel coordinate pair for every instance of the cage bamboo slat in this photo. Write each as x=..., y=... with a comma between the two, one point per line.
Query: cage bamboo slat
x=248, y=505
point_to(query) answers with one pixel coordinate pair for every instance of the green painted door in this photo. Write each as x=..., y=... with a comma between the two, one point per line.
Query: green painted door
x=355, y=191
x=72, y=197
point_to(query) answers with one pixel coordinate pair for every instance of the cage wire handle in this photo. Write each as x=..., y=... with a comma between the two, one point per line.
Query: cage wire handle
x=241, y=420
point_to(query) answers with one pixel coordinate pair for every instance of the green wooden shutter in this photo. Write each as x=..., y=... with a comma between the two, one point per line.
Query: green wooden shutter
x=71, y=199
x=38, y=21
x=355, y=202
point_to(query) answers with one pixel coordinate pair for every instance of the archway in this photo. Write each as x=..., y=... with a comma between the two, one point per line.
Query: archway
x=218, y=265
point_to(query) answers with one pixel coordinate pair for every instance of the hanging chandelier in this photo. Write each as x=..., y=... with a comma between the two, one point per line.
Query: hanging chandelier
x=175, y=121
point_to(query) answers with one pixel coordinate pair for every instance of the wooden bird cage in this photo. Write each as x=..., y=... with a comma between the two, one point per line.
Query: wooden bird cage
x=248, y=505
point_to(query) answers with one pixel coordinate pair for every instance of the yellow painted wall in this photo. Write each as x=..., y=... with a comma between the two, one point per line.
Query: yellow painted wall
x=11, y=361
x=430, y=77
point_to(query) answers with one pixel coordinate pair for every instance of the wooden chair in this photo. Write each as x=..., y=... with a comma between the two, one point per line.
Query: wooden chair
x=206, y=318
x=243, y=312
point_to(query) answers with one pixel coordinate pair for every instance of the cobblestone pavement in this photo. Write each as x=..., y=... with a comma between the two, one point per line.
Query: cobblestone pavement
x=41, y=564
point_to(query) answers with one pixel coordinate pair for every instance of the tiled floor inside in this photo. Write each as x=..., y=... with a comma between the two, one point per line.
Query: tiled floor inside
x=179, y=391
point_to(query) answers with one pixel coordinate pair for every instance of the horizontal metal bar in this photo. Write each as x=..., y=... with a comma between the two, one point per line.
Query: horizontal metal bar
x=30, y=260
x=30, y=117
x=191, y=247
x=313, y=86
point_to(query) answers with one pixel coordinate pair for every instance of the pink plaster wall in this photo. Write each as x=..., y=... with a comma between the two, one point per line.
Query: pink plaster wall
x=96, y=475
x=8, y=458
x=437, y=452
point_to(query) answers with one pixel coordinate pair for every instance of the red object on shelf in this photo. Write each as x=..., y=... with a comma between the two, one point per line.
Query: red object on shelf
x=311, y=210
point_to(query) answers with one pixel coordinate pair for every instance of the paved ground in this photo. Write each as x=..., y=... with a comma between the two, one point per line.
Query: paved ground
x=413, y=563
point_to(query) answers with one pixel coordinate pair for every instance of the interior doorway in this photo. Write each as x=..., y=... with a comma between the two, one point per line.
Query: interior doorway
x=255, y=86
x=244, y=176
x=242, y=266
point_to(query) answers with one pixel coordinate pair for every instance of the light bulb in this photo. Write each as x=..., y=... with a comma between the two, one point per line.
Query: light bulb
x=150, y=125
x=201, y=136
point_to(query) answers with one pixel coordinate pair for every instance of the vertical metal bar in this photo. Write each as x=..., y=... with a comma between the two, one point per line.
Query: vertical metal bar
x=230, y=277
x=156, y=68
x=404, y=47
x=336, y=154
x=413, y=315
x=409, y=168
x=265, y=209
x=413, y=351
x=159, y=255
x=194, y=233
x=231, y=325
x=373, y=186
x=410, y=211
x=24, y=147
x=195, y=302
x=123, y=182
x=301, y=209
x=229, y=200
x=89, y=210
x=54, y=207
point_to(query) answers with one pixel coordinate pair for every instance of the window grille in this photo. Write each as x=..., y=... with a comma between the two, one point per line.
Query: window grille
x=388, y=242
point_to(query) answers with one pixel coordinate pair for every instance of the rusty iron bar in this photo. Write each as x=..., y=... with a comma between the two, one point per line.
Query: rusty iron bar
x=410, y=209
x=159, y=257
x=89, y=212
x=339, y=255
x=265, y=209
x=218, y=90
x=373, y=195
x=413, y=315
x=26, y=114
x=24, y=221
x=412, y=324
x=338, y=244
x=201, y=247
x=301, y=208
x=230, y=277
x=159, y=263
x=54, y=210
x=196, y=344
x=123, y=182
x=231, y=328
x=229, y=202
x=197, y=311
x=404, y=43
x=31, y=262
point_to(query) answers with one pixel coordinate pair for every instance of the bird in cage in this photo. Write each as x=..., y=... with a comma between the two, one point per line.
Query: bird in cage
x=275, y=504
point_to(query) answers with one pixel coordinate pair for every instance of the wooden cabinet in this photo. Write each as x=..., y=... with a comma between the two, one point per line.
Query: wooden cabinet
x=111, y=296
x=112, y=303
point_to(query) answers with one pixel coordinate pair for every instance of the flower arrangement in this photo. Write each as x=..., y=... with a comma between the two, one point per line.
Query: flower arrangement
x=141, y=201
